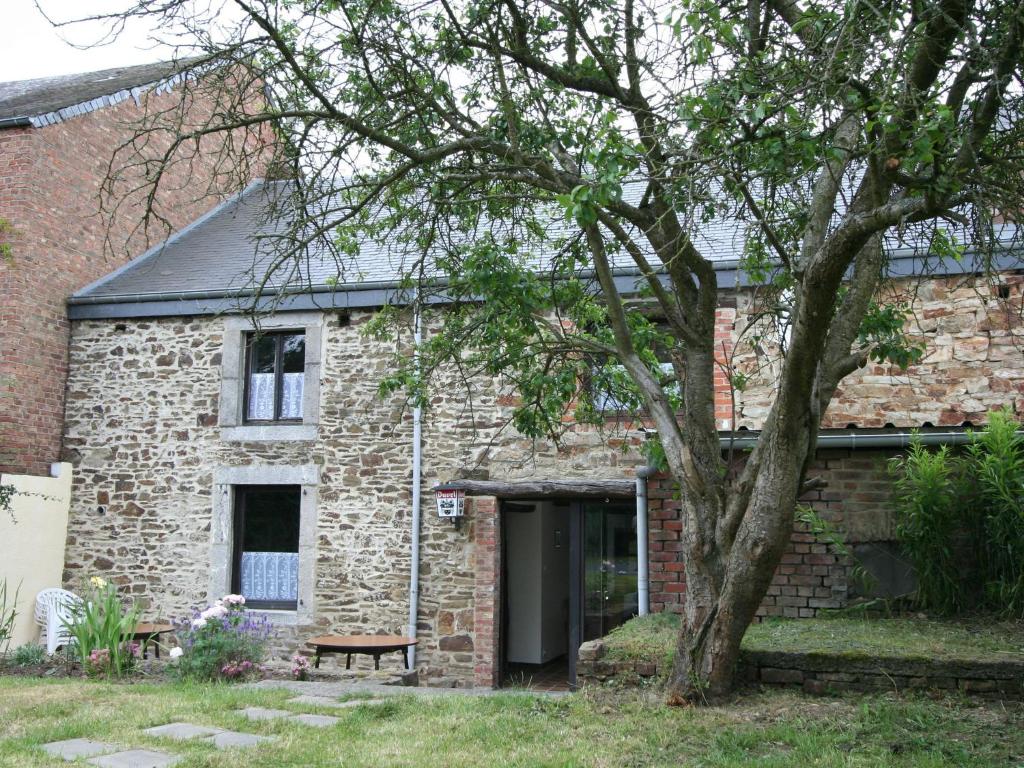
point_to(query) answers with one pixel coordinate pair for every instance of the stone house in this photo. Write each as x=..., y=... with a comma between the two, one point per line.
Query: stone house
x=58, y=135
x=209, y=458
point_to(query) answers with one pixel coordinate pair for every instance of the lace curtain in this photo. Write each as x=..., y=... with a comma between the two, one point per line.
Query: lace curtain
x=261, y=396
x=270, y=575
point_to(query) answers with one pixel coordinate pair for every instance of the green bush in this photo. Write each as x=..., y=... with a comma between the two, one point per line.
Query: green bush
x=222, y=642
x=28, y=655
x=102, y=628
x=960, y=519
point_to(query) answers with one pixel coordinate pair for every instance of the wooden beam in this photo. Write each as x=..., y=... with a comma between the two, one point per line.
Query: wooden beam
x=531, y=489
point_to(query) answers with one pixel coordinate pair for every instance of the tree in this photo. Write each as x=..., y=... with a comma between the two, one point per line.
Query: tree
x=530, y=150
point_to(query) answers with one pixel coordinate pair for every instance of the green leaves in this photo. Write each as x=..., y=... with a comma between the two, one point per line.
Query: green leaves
x=968, y=508
x=881, y=331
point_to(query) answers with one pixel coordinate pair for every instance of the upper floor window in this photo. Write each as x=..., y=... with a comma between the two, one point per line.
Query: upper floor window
x=275, y=376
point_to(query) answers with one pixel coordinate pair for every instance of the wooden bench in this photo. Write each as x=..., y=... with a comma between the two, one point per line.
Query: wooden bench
x=370, y=645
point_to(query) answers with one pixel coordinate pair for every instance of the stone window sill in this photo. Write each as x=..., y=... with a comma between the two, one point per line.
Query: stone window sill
x=269, y=432
x=277, y=617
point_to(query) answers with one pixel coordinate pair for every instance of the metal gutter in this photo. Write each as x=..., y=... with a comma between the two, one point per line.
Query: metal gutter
x=858, y=439
x=14, y=122
x=417, y=470
x=643, y=580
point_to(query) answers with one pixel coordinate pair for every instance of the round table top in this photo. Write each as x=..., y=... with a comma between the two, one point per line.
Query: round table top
x=145, y=628
x=362, y=641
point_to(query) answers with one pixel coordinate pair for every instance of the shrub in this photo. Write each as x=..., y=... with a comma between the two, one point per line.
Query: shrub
x=101, y=628
x=222, y=642
x=29, y=655
x=927, y=522
x=954, y=508
x=995, y=478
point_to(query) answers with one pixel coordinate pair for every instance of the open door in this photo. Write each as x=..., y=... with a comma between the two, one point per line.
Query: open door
x=603, y=578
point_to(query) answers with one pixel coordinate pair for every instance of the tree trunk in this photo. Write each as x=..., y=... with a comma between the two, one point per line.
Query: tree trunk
x=724, y=588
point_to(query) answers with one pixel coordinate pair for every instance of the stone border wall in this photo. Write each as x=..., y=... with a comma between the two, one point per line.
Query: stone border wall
x=823, y=673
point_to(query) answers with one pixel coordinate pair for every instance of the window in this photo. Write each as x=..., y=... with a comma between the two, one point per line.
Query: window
x=266, y=545
x=617, y=394
x=270, y=377
x=275, y=376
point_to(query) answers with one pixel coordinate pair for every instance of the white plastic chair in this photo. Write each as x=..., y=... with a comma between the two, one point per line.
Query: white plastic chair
x=55, y=609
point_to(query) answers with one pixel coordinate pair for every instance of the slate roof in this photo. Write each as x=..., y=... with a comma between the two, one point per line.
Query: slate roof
x=49, y=100
x=220, y=256
x=219, y=252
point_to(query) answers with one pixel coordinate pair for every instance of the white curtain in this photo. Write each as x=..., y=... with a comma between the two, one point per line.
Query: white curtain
x=291, y=398
x=261, y=396
x=270, y=575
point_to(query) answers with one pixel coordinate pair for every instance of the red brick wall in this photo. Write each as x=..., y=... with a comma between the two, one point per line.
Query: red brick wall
x=811, y=577
x=49, y=191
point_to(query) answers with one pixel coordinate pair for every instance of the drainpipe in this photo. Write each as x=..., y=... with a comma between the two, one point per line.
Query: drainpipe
x=642, y=571
x=417, y=461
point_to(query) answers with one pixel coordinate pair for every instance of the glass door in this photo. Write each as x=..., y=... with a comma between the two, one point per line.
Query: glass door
x=610, y=595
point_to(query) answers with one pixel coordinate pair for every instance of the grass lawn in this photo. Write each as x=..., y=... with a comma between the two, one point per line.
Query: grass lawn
x=592, y=729
x=654, y=636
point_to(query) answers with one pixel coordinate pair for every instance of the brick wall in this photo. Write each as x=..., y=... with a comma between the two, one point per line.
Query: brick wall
x=50, y=181
x=811, y=577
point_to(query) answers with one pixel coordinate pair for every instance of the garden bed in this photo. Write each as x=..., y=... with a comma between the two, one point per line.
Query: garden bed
x=836, y=653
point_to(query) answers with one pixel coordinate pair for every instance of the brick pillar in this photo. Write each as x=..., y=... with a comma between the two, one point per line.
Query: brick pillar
x=725, y=323
x=486, y=590
x=667, y=577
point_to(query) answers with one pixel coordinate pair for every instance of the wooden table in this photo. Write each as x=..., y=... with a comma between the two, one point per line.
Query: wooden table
x=146, y=633
x=371, y=645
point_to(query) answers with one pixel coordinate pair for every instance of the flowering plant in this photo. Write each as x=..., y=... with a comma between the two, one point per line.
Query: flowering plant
x=101, y=627
x=300, y=667
x=222, y=642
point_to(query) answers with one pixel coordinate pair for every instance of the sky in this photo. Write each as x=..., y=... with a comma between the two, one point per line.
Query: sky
x=33, y=48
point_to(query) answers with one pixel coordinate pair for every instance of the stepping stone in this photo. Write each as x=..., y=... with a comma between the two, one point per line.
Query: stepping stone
x=317, y=721
x=262, y=713
x=319, y=701
x=228, y=739
x=136, y=758
x=182, y=731
x=74, y=748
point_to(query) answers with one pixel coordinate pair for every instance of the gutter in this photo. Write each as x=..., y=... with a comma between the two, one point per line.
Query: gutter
x=417, y=468
x=643, y=581
x=855, y=439
x=15, y=122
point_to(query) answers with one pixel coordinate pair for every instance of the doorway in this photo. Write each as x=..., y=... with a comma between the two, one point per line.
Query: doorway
x=569, y=574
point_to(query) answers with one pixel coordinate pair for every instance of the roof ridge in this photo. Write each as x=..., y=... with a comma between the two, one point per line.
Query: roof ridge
x=47, y=100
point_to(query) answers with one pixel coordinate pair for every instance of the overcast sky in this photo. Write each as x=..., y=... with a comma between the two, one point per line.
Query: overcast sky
x=32, y=48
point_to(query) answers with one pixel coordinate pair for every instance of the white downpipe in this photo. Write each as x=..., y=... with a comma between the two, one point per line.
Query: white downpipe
x=643, y=583
x=417, y=461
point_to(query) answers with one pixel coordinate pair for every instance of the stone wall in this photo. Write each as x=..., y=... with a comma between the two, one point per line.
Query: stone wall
x=973, y=329
x=822, y=673
x=50, y=180
x=819, y=673
x=142, y=428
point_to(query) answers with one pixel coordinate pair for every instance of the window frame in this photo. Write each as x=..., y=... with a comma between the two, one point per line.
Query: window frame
x=227, y=479
x=251, y=337
x=231, y=407
x=239, y=502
